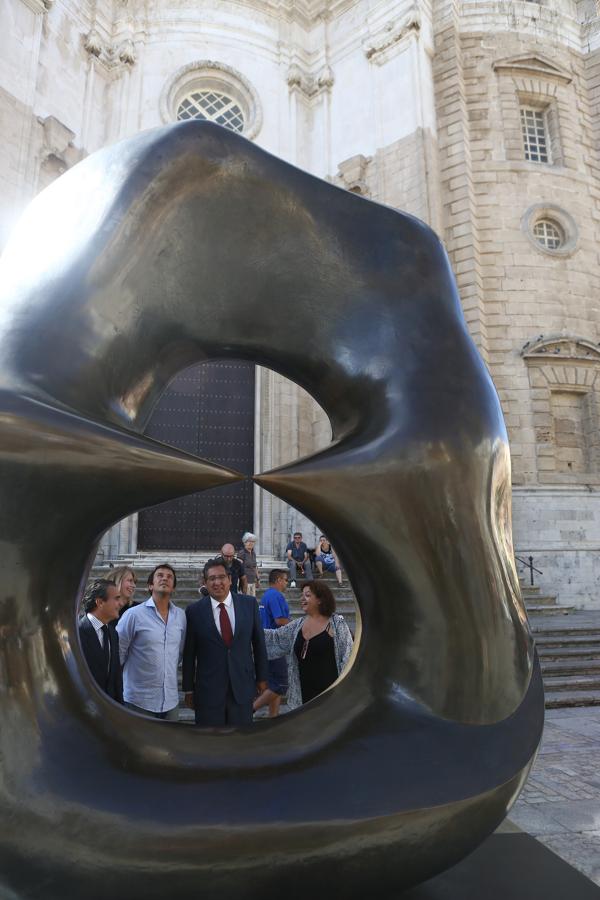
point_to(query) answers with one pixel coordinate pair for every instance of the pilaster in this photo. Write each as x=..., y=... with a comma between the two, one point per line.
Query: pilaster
x=459, y=211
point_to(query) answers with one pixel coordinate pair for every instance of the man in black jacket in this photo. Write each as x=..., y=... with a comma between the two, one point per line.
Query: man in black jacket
x=99, y=640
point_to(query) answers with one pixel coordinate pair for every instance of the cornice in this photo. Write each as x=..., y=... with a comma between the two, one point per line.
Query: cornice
x=562, y=347
x=517, y=16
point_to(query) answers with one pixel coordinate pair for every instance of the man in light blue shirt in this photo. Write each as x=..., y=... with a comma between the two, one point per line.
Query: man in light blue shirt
x=151, y=638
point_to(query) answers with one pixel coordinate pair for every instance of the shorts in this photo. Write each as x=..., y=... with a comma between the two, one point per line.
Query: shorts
x=328, y=566
x=278, y=675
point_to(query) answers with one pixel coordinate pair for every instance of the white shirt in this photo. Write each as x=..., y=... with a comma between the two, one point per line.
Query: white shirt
x=150, y=650
x=228, y=601
x=98, y=626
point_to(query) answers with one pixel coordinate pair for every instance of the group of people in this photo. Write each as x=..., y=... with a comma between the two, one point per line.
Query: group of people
x=238, y=654
x=299, y=559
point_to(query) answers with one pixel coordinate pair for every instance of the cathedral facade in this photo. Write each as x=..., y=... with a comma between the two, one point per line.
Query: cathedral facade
x=481, y=117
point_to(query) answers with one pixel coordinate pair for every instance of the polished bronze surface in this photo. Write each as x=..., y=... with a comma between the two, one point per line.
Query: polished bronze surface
x=189, y=243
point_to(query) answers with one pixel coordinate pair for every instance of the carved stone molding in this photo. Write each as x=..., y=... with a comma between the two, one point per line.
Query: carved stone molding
x=57, y=151
x=310, y=85
x=93, y=43
x=56, y=137
x=39, y=6
x=126, y=52
x=114, y=57
x=297, y=78
x=377, y=47
x=325, y=78
x=352, y=174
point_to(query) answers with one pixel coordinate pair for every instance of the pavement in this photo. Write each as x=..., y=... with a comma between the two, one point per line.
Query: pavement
x=560, y=803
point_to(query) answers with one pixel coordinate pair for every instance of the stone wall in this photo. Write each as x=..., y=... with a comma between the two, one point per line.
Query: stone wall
x=560, y=527
x=538, y=308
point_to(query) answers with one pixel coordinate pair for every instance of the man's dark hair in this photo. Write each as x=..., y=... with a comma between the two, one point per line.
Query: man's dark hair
x=297, y=534
x=274, y=574
x=324, y=595
x=212, y=564
x=97, y=590
x=155, y=570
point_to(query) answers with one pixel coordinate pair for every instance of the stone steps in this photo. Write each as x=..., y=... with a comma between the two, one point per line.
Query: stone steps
x=549, y=638
x=542, y=604
x=572, y=683
x=559, y=700
x=569, y=666
x=545, y=610
x=570, y=660
x=536, y=600
x=585, y=651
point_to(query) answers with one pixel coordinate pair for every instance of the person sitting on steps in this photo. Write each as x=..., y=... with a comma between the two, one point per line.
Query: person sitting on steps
x=326, y=559
x=298, y=558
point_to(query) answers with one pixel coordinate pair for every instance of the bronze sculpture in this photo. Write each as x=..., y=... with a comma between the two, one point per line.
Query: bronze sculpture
x=406, y=764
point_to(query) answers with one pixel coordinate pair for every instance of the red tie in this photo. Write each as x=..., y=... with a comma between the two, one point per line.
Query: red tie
x=225, y=623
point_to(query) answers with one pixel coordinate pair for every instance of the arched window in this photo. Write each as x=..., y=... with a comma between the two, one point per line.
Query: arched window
x=214, y=92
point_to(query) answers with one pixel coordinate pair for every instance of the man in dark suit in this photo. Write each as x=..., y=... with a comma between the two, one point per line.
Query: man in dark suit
x=224, y=657
x=99, y=640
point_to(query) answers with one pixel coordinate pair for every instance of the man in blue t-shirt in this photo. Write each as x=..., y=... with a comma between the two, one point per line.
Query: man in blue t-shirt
x=274, y=612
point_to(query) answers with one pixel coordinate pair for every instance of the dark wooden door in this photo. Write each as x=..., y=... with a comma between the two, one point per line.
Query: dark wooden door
x=207, y=410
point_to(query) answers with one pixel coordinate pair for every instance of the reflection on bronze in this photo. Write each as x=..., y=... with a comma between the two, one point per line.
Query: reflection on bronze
x=189, y=243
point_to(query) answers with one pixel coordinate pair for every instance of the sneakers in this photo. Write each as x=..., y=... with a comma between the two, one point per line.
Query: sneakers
x=292, y=584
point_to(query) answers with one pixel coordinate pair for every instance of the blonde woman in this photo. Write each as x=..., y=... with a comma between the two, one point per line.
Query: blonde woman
x=125, y=580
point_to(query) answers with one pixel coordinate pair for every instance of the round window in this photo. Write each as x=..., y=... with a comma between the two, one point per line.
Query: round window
x=214, y=92
x=550, y=229
x=549, y=234
x=214, y=107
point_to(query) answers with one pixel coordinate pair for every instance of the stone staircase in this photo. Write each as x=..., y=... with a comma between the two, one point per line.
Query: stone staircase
x=568, y=640
x=539, y=604
x=569, y=651
x=570, y=660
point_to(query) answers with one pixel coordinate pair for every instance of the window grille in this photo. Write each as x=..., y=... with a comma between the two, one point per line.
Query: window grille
x=535, y=139
x=214, y=107
x=548, y=234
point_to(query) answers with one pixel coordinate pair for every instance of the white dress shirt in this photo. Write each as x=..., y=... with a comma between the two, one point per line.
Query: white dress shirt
x=98, y=626
x=228, y=601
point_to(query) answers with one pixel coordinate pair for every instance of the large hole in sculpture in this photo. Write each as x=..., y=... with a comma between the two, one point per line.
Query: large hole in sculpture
x=249, y=419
